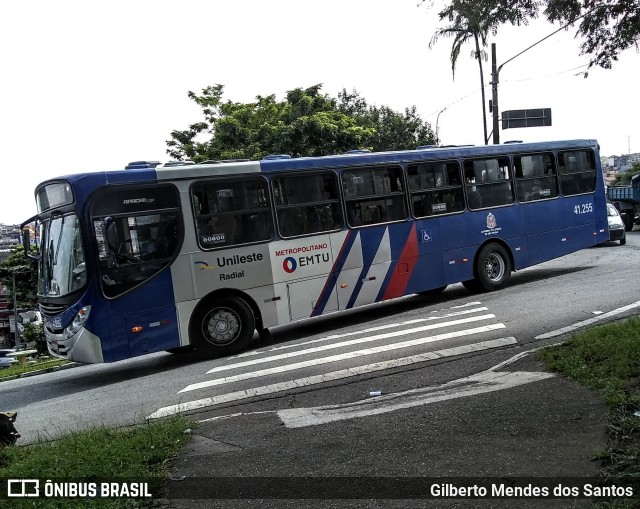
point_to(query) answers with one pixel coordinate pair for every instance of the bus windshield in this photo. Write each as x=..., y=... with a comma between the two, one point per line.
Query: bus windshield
x=62, y=264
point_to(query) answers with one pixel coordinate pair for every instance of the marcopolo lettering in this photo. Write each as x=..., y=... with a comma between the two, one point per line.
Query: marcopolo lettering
x=132, y=201
x=239, y=259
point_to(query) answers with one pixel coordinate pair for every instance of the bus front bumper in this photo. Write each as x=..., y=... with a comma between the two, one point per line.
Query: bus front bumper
x=81, y=347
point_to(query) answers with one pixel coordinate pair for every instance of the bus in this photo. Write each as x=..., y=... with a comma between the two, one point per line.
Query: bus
x=202, y=256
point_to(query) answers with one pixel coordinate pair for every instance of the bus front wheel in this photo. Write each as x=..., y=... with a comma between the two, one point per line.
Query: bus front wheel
x=223, y=327
x=493, y=269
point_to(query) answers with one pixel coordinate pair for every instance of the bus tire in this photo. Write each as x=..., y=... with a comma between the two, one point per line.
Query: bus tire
x=493, y=268
x=472, y=285
x=222, y=327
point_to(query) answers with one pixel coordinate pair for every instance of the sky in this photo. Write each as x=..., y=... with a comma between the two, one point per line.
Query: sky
x=91, y=86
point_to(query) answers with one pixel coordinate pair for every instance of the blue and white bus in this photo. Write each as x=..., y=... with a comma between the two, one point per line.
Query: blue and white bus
x=204, y=255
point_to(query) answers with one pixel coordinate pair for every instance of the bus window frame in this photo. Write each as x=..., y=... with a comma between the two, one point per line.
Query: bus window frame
x=403, y=193
x=422, y=191
x=302, y=173
x=594, y=171
x=554, y=175
x=230, y=178
x=510, y=180
x=95, y=247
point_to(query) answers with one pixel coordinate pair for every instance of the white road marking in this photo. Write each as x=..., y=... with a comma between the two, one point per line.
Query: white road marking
x=487, y=381
x=327, y=377
x=584, y=323
x=342, y=356
x=334, y=346
x=364, y=331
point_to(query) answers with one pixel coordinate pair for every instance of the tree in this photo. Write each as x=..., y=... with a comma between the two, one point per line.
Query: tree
x=26, y=278
x=608, y=26
x=34, y=333
x=473, y=21
x=306, y=123
x=624, y=178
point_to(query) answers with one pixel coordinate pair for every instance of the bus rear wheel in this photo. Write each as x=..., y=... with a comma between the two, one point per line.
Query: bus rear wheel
x=493, y=269
x=223, y=327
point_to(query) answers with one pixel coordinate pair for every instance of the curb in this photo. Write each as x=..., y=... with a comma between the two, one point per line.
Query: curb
x=39, y=371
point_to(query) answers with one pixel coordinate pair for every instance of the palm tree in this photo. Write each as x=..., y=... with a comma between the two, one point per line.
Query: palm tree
x=474, y=20
x=468, y=23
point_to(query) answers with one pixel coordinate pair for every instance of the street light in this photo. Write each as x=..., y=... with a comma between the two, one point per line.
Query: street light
x=437, y=120
x=495, y=74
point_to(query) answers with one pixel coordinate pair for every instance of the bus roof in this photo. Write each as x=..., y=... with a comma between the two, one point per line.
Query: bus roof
x=271, y=164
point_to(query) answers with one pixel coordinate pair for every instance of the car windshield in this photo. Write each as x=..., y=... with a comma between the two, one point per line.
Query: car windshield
x=62, y=267
x=612, y=211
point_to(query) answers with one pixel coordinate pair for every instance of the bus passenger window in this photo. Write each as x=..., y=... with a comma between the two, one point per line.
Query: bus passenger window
x=488, y=182
x=309, y=203
x=231, y=212
x=577, y=172
x=378, y=197
x=435, y=188
x=535, y=177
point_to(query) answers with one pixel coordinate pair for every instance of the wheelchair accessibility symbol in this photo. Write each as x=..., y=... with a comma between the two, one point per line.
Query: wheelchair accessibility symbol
x=426, y=235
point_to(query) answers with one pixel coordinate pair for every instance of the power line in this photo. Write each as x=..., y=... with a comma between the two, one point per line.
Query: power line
x=487, y=85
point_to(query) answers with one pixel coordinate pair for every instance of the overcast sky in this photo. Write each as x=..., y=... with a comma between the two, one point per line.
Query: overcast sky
x=90, y=86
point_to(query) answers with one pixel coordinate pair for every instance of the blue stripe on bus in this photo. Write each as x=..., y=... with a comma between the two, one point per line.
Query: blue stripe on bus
x=330, y=284
x=370, y=240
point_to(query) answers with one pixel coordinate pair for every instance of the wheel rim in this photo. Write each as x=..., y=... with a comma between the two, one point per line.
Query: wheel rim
x=494, y=267
x=221, y=326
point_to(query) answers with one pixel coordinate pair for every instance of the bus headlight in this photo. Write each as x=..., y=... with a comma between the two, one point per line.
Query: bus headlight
x=78, y=322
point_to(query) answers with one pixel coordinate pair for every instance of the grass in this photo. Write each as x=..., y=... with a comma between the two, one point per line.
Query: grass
x=98, y=455
x=607, y=359
x=41, y=364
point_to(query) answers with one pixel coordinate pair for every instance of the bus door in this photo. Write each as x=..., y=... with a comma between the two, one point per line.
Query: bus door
x=138, y=232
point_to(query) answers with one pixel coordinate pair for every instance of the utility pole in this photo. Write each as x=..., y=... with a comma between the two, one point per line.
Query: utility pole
x=16, y=333
x=494, y=94
x=495, y=74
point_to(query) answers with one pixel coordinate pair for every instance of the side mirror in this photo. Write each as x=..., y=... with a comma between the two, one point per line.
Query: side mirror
x=26, y=244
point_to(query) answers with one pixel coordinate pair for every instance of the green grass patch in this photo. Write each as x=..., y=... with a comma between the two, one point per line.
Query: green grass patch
x=607, y=359
x=99, y=455
x=41, y=364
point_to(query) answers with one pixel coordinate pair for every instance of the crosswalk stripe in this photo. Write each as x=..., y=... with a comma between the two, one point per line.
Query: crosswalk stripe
x=343, y=356
x=358, y=332
x=327, y=377
x=351, y=342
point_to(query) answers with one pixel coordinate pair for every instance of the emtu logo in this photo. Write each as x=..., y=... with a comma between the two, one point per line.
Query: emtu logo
x=289, y=264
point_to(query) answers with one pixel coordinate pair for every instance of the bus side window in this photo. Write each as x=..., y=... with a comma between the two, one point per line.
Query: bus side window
x=435, y=188
x=379, y=198
x=310, y=203
x=488, y=182
x=535, y=177
x=577, y=172
x=232, y=211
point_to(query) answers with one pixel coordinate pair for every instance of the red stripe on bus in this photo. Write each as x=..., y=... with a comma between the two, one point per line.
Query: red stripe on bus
x=407, y=262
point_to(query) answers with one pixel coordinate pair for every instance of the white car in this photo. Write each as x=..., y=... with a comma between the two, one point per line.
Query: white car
x=5, y=361
x=616, y=225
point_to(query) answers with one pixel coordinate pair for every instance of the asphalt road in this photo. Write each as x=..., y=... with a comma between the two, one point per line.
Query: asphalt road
x=411, y=343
